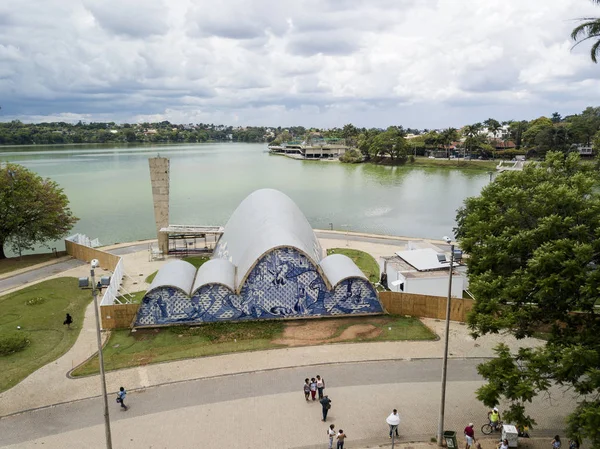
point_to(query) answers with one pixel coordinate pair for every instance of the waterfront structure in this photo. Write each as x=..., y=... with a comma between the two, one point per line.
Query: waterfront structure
x=267, y=264
x=315, y=147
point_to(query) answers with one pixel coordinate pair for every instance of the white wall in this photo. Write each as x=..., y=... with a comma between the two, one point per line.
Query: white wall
x=435, y=286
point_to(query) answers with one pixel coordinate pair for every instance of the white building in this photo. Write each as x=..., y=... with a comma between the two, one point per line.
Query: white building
x=423, y=269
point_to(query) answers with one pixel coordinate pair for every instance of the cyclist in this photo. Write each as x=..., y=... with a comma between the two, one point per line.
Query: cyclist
x=494, y=418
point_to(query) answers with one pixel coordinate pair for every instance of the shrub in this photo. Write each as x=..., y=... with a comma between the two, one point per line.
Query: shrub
x=12, y=343
x=351, y=156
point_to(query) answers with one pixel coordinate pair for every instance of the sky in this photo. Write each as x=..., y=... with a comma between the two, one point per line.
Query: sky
x=315, y=63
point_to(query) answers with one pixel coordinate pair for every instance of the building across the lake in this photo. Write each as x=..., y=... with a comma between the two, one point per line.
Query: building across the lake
x=267, y=264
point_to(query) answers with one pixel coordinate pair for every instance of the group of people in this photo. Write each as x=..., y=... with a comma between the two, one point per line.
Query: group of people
x=311, y=388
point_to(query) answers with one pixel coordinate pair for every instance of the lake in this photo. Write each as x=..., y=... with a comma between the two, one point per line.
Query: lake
x=109, y=188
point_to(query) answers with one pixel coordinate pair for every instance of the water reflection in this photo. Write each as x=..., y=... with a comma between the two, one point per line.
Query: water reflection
x=109, y=188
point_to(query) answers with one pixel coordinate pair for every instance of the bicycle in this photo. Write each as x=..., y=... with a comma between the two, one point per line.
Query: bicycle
x=487, y=428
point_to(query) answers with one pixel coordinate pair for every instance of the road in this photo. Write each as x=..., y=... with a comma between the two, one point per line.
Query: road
x=267, y=409
x=38, y=273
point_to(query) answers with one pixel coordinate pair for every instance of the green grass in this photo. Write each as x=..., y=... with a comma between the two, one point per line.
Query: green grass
x=126, y=349
x=367, y=264
x=393, y=328
x=16, y=263
x=196, y=261
x=40, y=311
x=489, y=165
x=134, y=298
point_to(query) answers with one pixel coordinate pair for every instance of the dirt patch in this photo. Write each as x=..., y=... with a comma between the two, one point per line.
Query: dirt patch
x=323, y=331
x=359, y=331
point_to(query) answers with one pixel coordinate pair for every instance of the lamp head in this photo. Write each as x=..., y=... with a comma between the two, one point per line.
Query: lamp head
x=447, y=239
x=95, y=263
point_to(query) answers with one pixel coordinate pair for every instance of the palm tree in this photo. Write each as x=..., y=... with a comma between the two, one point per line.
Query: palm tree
x=588, y=29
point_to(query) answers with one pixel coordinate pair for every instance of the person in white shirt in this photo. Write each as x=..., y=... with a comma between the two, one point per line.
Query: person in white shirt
x=331, y=435
x=393, y=421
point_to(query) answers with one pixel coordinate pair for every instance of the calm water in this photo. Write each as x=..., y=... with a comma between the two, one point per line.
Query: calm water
x=109, y=188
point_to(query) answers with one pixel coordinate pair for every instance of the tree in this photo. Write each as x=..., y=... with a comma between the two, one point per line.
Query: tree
x=365, y=140
x=392, y=143
x=556, y=117
x=588, y=29
x=534, y=262
x=493, y=126
x=446, y=138
x=33, y=210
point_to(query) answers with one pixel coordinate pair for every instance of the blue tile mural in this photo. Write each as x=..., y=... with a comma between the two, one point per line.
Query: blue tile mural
x=283, y=284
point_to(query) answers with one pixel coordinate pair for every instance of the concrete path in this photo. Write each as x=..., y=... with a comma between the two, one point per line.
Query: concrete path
x=267, y=409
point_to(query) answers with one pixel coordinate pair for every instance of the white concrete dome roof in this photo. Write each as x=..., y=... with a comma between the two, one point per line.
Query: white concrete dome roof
x=215, y=271
x=338, y=268
x=176, y=273
x=267, y=219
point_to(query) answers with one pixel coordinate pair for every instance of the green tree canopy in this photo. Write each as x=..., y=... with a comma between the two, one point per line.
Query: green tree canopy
x=391, y=143
x=33, y=210
x=533, y=238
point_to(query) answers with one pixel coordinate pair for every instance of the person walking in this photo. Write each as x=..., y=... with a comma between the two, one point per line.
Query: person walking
x=121, y=398
x=393, y=421
x=320, y=386
x=469, y=435
x=556, y=442
x=306, y=389
x=326, y=405
x=331, y=435
x=68, y=321
x=313, y=389
x=340, y=438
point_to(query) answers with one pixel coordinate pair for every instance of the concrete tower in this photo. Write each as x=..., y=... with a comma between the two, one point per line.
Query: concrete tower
x=159, y=178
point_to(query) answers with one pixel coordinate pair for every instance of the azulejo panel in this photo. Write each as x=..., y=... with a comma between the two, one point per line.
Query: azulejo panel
x=283, y=284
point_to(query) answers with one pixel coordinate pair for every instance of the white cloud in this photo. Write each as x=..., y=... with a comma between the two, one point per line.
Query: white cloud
x=429, y=63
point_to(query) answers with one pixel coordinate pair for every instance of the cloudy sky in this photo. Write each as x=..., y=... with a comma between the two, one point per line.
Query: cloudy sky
x=419, y=63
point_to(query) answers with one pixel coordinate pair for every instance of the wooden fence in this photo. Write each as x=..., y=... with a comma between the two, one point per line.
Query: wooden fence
x=107, y=261
x=118, y=316
x=425, y=306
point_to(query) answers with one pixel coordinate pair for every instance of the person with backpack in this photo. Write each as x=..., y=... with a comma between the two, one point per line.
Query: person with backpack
x=326, y=404
x=121, y=398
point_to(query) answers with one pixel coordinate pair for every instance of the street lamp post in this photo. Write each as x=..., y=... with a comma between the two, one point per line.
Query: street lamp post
x=94, y=264
x=440, y=432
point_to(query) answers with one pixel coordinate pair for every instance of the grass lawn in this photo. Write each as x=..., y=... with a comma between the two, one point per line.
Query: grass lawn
x=40, y=311
x=125, y=349
x=364, y=261
x=196, y=261
x=394, y=328
x=16, y=263
x=489, y=165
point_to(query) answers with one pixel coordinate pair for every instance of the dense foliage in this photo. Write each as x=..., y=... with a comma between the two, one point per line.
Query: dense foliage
x=533, y=238
x=33, y=210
